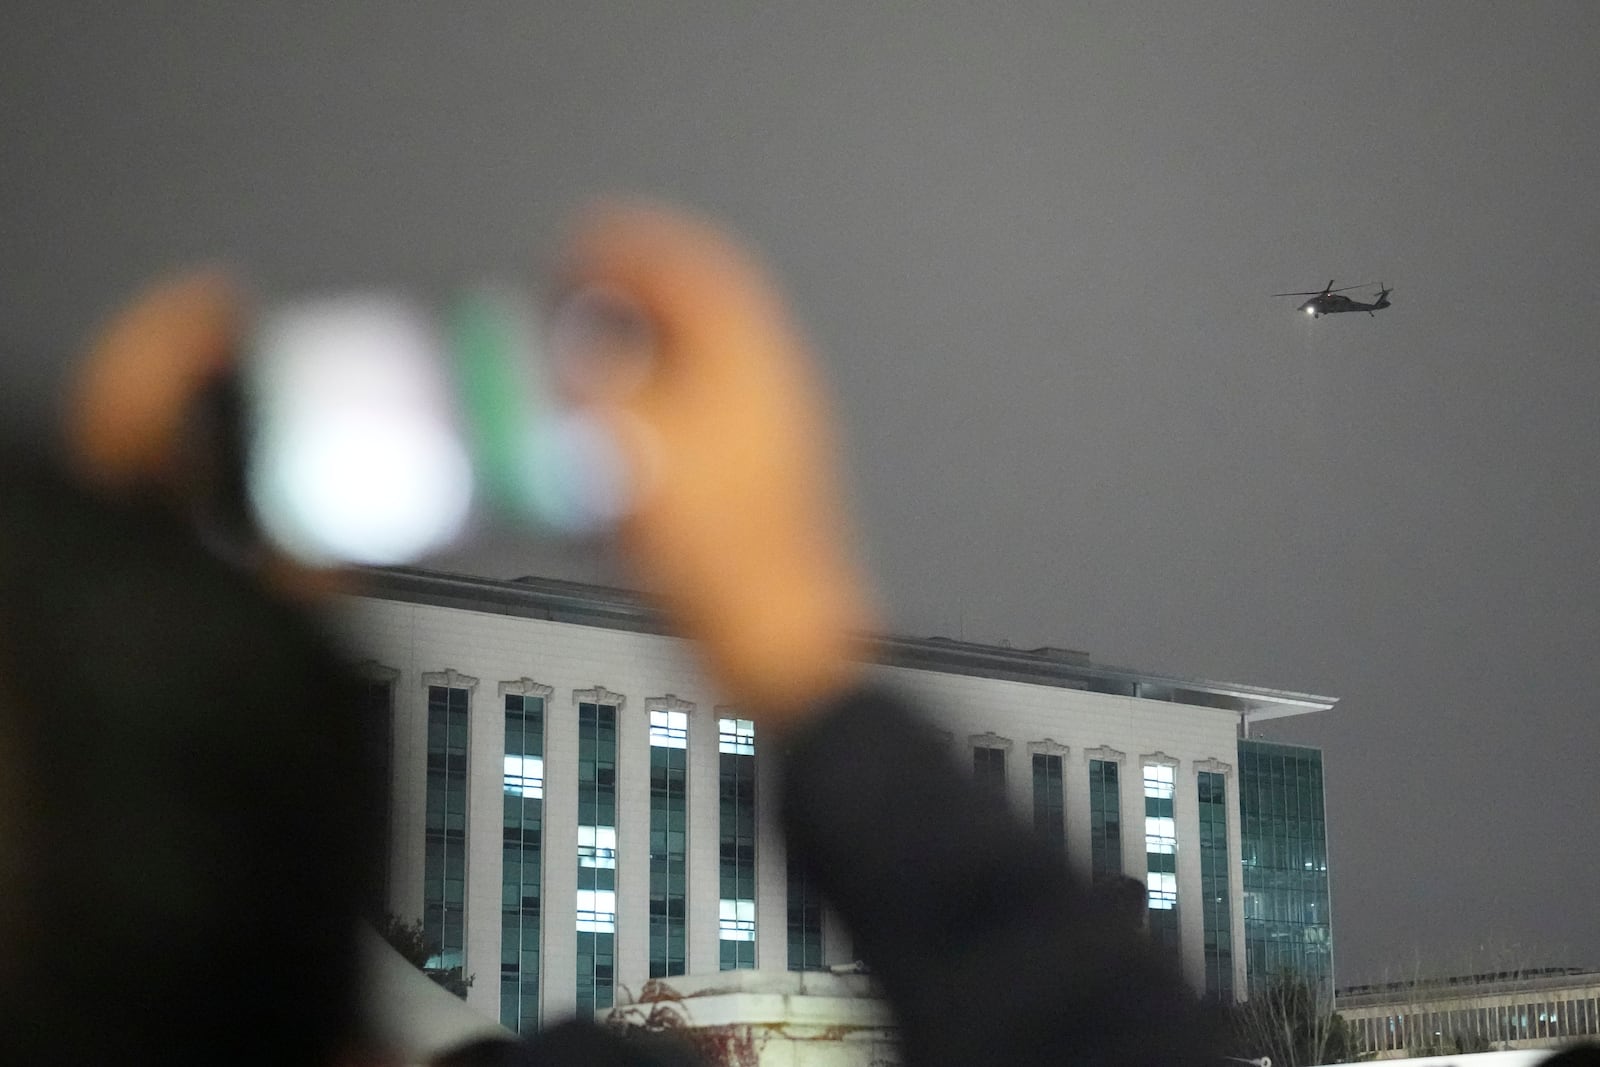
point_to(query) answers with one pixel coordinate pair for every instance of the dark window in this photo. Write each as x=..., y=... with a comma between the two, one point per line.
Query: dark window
x=377, y=706
x=989, y=769
x=1215, y=902
x=1049, y=800
x=805, y=919
x=445, y=842
x=1105, y=821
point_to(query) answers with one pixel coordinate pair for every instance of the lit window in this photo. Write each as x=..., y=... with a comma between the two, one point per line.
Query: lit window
x=597, y=911
x=525, y=776
x=736, y=737
x=669, y=729
x=1161, y=861
x=597, y=846
x=1163, y=890
x=738, y=920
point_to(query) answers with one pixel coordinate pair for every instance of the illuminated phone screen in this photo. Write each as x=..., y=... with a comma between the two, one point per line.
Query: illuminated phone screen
x=379, y=429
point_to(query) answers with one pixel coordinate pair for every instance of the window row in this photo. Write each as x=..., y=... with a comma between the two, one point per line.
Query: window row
x=1105, y=803
x=524, y=791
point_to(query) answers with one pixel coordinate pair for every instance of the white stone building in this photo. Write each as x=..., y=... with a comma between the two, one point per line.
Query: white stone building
x=573, y=810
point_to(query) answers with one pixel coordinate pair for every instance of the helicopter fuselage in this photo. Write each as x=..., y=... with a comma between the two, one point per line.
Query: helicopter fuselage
x=1334, y=303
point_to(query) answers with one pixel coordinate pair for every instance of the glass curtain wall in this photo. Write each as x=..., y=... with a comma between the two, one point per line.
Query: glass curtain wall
x=1284, y=862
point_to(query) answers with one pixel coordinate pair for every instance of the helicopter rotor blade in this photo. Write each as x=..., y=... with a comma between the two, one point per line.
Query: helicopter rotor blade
x=1322, y=292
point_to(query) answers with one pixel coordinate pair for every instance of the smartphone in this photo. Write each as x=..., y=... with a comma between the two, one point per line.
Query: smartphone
x=377, y=429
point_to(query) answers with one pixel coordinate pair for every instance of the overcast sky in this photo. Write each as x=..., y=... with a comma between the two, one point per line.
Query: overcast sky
x=1034, y=243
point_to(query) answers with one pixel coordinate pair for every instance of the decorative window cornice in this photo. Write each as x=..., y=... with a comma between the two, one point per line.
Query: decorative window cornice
x=1104, y=754
x=525, y=687
x=1048, y=747
x=1212, y=766
x=450, y=678
x=1159, y=758
x=370, y=670
x=990, y=740
x=598, y=695
x=668, y=703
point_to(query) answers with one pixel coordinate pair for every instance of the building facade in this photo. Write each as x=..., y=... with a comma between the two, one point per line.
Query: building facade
x=1509, y=1010
x=574, y=812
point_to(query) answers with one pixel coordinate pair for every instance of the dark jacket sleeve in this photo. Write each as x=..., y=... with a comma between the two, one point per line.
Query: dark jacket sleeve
x=988, y=950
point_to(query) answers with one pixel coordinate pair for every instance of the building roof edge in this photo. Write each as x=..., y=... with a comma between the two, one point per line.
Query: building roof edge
x=614, y=608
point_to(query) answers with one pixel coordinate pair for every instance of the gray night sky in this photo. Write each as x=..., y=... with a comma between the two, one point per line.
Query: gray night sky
x=1034, y=243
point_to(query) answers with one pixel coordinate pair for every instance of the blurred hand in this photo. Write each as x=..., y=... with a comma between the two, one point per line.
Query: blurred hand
x=133, y=391
x=131, y=400
x=737, y=525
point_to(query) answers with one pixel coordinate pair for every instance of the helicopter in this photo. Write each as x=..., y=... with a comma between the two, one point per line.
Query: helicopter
x=1327, y=301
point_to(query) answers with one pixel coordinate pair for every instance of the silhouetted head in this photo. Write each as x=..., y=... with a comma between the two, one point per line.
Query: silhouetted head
x=183, y=846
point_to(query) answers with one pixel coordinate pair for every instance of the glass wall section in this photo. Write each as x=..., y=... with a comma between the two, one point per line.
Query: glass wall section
x=1105, y=820
x=989, y=769
x=1216, y=911
x=444, y=888
x=521, y=854
x=1049, y=802
x=1161, y=854
x=597, y=856
x=669, y=837
x=1284, y=860
x=736, y=748
x=805, y=919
